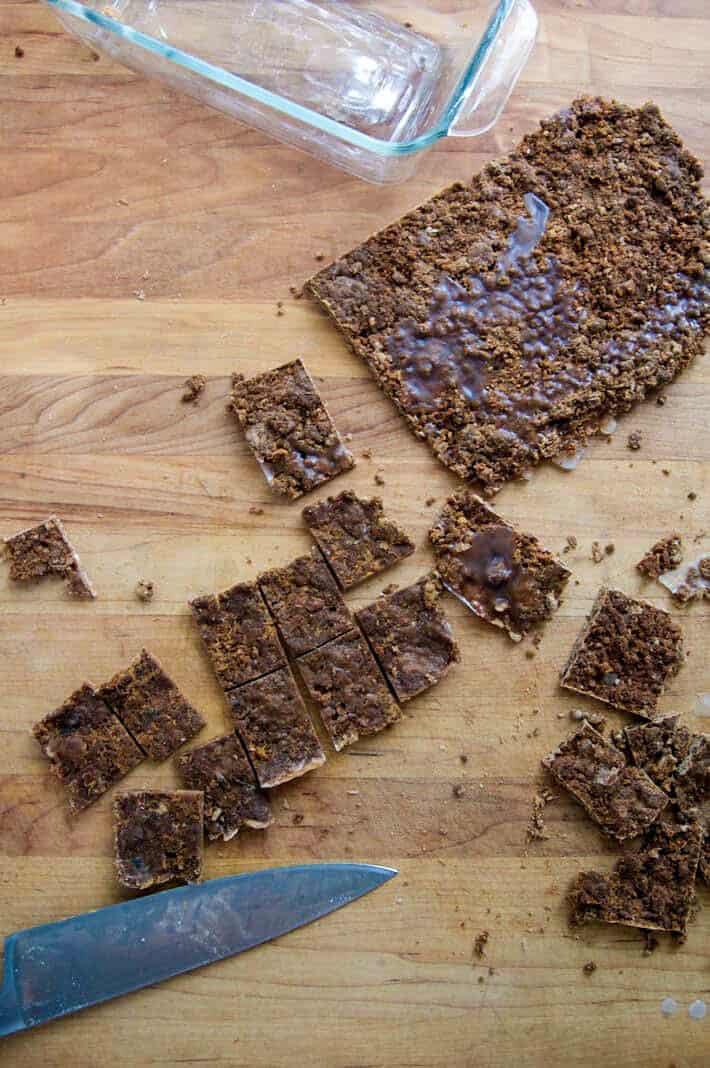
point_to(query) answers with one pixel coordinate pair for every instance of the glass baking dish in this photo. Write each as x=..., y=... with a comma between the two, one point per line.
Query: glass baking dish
x=367, y=85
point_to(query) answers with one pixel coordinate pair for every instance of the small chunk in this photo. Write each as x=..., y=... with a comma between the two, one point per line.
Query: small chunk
x=151, y=708
x=623, y=800
x=690, y=581
x=355, y=537
x=88, y=747
x=289, y=430
x=46, y=550
x=232, y=798
x=343, y=679
x=625, y=654
x=239, y=635
x=503, y=576
x=664, y=555
x=306, y=603
x=411, y=637
x=194, y=387
x=277, y=732
x=158, y=837
x=651, y=888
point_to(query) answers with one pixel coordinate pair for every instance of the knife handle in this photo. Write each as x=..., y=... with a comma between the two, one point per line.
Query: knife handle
x=11, y=1019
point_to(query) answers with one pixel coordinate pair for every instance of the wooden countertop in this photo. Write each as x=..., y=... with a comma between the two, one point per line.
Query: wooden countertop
x=114, y=189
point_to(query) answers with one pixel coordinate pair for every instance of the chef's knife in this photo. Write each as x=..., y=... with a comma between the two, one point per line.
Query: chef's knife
x=62, y=967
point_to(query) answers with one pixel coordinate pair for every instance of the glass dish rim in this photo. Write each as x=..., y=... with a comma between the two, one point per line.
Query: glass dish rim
x=288, y=107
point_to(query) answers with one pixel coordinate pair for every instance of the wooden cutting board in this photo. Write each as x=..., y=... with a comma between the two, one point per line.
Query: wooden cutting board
x=143, y=239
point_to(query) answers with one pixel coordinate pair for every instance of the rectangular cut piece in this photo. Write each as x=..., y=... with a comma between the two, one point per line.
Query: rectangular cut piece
x=652, y=888
x=150, y=706
x=623, y=800
x=664, y=555
x=158, y=837
x=220, y=769
x=679, y=762
x=88, y=747
x=503, y=576
x=625, y=654
x=355, y=537
x=305, y=602
x=239, y=635
x=509, y=317
x=46, y=550
x=289, y=429
x=272, y=721
x=411, y=637
x=343, y=679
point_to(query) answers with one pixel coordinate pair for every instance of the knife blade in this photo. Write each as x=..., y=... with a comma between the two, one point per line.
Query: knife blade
x=59, y=968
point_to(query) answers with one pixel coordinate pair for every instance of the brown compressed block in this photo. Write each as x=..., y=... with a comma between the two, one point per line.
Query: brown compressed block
x=289, y=429
x=239, y=635
x=355, y=537
x=507, y=317
x=272, y=721
x=664, y=555
x=651, y=888
x=625, y=654
x=623, y=800
x=151, y=708
x=305, y=602
x=232, y=798
x=87, y=745
x=46, y=550
x=411, y=637
x=343, y=679
x=503, y=576
x=158, y=837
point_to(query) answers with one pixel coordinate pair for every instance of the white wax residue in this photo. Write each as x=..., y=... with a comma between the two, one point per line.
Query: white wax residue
x=669, y=1006
x=608, y=426
x=673, y=580
x=698, y=1010
x=702, y=705
x=568, y=461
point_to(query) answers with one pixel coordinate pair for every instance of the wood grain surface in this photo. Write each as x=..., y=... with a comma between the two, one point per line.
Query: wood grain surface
x=144, y=238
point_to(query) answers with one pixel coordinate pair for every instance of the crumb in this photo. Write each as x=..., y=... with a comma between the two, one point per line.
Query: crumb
x=463, y=758
x=390, y=588
x=194, y=387
x=145, y=591
x=661, y=399
x=19, y=52
x=589, y=967
x=367, y=454
x=597, y=554
x=254, y=509
x=379, y=480
x=530, y=654
x=536, y=825
x=279, y=304
x=459, y=790
x=570, y=543
x=692, y=496
x=298, y=818
x=429, y=501
x=481, y=979
x=610, y=548
x=295, y=292
x=635, y=440
x=348, y=436
x=595, y=719
x=123, y=203
x=320, y=256
x=480, y=943
x=139, y=294
x=280, y=312
x=665, y=471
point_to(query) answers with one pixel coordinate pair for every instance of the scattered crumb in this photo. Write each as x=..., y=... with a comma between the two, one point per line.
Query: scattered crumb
x=194, y=387
x=589, y=967
x=459, y=790
x=595, y=719
x=570, y=543
x=139, y=294
x=429, y=501
x=635, y=440
x=597, y=554
x=661, y=399
x=536, y=825
x=123, y=203
x=480, y=943
x=391, y=588
x=254, y=509
x=320, y=256
x=379, y=480
x=145, y=591
x=692, y=496
x=530, y=654
x=19, y=52
x=297, y=818
x=481, y=979
x=367, y=454
x=463, y=758
x=610, y=548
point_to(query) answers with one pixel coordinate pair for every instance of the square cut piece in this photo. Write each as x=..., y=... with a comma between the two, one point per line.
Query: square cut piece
x=411, y=637
x=652, y=888
x=288, y=428
x=623, y=800
x=306, y=603
x=89, y=748
x=239, y=635
x=46, y=550
x=503, y=576
x=343, y=679
x=272, y=721
x=232, y=798
x=158, y=837
x=151, y=708
x=625, y=655
x=355, y=537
